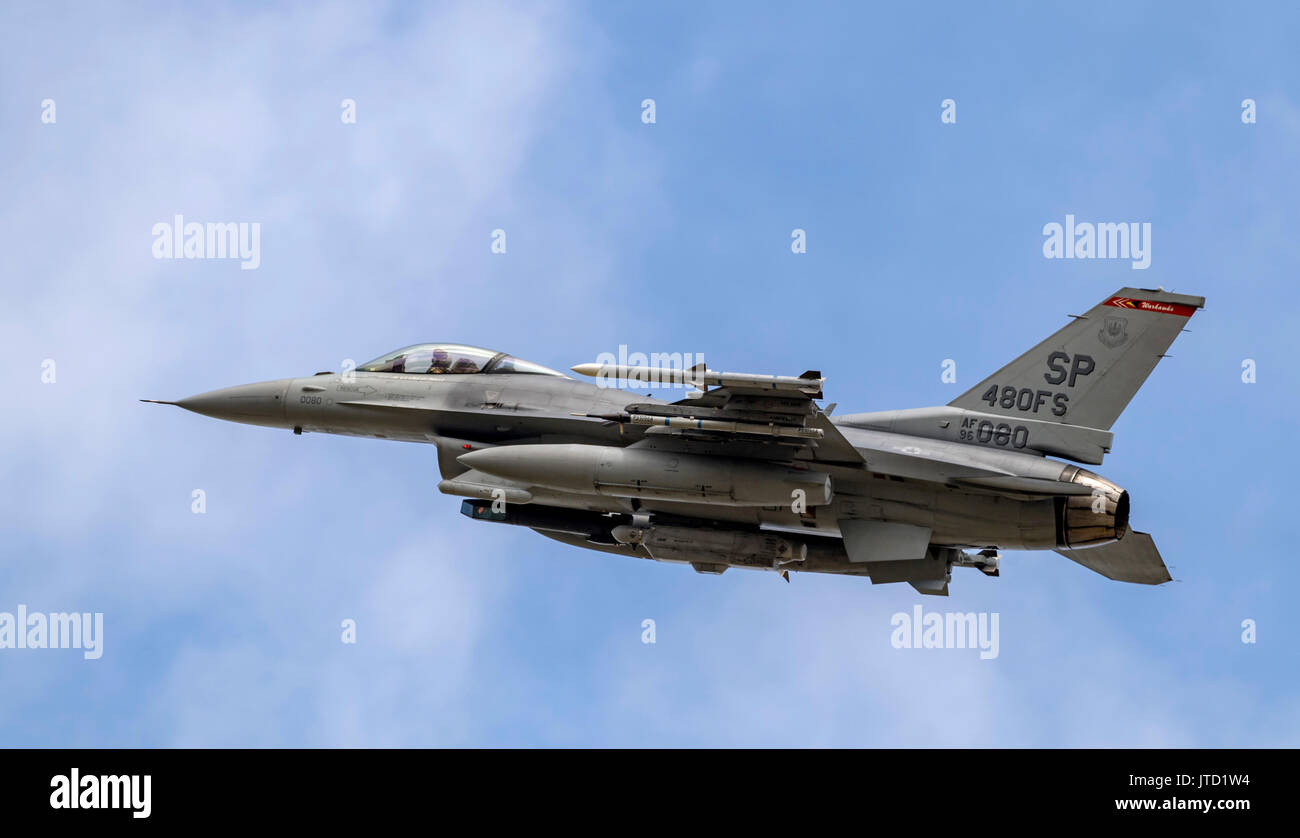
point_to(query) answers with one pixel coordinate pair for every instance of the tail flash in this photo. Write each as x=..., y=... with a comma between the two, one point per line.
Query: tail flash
x=1088, y=371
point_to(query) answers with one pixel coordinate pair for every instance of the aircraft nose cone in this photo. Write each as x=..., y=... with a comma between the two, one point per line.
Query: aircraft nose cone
x=253, y=404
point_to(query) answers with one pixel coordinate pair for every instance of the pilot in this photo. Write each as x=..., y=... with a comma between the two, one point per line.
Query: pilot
x=465, y=365
x=441, y=362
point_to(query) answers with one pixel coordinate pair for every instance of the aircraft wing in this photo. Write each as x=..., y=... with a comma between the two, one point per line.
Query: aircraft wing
x=741, y=408
x=1134, y=558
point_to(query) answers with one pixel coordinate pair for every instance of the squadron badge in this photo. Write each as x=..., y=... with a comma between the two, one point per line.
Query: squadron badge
x=1114, y=331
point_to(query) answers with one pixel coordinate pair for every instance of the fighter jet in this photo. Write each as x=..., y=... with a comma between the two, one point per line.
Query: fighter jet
x=749, y=471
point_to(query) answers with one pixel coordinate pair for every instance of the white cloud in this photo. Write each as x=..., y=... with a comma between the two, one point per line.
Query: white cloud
x=373, y=235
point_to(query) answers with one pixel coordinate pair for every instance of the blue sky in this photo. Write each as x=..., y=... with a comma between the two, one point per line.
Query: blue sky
x=924, y=243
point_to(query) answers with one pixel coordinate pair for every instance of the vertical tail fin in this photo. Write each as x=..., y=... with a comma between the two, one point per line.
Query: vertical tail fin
x=1088, y=371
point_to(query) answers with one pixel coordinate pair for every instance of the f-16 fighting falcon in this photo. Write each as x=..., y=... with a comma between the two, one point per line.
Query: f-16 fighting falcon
x=749, y=471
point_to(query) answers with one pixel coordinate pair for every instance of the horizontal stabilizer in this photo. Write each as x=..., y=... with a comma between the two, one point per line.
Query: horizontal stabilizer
x=1134, y=558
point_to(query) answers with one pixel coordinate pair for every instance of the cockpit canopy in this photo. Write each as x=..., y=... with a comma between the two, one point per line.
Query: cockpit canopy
x=452, y=359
